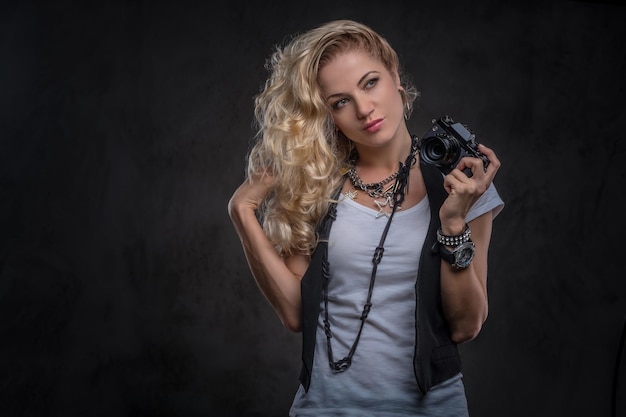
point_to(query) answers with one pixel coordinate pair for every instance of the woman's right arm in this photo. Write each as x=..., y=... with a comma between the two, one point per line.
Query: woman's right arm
x=277, y=277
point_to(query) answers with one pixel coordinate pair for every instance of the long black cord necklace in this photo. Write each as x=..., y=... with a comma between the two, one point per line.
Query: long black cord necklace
x=399, y=190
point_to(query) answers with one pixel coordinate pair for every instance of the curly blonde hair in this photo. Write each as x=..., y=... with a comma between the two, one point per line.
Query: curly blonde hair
x=297, y=142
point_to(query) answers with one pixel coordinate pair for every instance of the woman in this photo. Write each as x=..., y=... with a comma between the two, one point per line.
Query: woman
x=345, y=250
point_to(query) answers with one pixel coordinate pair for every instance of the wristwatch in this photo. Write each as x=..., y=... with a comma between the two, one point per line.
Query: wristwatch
x=461, y=256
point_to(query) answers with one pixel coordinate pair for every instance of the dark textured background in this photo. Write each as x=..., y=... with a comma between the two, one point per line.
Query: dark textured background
x=124, y=125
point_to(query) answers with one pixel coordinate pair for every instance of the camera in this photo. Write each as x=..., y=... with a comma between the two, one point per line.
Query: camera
x=446, y=142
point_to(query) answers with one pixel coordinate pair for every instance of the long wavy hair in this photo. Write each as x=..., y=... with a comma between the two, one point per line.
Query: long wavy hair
x=296, y=141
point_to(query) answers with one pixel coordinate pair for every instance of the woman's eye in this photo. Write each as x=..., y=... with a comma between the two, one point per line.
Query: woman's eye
x=340, y=103
x=371, y=83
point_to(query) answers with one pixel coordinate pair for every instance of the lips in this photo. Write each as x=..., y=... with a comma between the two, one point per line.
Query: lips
x=374, y=125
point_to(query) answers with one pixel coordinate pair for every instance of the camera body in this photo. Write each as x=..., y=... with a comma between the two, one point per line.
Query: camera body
x=446, y=142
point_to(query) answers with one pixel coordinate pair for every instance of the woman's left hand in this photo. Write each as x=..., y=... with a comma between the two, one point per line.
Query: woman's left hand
x=463, y=191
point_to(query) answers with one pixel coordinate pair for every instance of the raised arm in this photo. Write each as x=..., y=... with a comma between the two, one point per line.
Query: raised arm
x=278, y=277
x=464, y=291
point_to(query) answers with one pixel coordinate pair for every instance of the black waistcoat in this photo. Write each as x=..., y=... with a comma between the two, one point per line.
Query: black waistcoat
x=436, y=357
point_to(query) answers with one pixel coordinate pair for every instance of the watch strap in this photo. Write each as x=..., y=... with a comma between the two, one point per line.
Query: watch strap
x=446, y=254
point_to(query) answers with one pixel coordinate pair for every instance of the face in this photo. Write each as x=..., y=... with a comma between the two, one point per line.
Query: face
x=364, y=98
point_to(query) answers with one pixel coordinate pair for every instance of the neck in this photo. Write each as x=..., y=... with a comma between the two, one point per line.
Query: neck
x=385, y=158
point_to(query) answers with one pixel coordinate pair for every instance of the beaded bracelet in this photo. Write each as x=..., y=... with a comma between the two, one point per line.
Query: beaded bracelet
x=455, y=240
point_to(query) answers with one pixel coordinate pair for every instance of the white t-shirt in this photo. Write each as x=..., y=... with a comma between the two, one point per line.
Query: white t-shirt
x=380, y=380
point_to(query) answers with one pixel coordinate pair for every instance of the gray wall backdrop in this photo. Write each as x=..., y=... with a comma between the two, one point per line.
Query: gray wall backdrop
x=124, y=125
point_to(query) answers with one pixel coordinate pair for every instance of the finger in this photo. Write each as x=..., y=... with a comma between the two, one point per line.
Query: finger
x=457, y=182
x=475, y=165
x=458, y=175
x=454, y=180
x=263, y=181
x=494, y=162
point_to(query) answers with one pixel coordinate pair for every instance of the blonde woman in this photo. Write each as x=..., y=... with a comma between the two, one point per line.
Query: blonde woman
x=353, y=241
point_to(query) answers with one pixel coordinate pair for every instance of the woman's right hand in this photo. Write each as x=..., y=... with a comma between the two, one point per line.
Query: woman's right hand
x=250, y=194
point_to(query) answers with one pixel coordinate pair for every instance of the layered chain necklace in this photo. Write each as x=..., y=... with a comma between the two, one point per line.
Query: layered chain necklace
x=383, y=189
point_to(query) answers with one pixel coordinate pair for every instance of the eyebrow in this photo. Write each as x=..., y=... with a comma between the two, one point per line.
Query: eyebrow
x=367, y=74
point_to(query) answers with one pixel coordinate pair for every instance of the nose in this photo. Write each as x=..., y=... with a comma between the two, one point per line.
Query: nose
x=364, y=107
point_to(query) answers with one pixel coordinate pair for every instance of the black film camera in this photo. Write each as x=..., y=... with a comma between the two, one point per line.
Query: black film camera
x=446, y=142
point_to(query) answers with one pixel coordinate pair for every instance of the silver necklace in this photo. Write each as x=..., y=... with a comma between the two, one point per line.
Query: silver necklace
x=375, y=189
x=378, y=189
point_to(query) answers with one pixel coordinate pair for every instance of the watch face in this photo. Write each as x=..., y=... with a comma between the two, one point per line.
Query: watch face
x=464, y=254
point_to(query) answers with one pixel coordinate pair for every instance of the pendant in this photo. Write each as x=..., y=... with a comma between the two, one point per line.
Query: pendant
x=381, y=204
x=351, y=194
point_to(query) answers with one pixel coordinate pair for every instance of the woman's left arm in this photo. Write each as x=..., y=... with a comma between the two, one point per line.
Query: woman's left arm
x=464, y=291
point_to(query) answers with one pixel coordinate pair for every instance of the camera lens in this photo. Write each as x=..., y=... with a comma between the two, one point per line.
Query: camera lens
x=439, y=151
